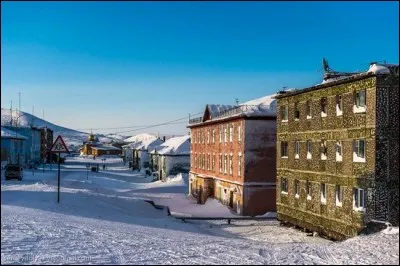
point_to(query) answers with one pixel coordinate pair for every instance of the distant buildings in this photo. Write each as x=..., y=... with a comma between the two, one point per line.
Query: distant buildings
x=338, y=153
x=233, y=156
x=171, y=158
x=95, y=148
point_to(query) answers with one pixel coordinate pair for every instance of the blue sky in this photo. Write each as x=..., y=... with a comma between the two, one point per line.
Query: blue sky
x=111, y=64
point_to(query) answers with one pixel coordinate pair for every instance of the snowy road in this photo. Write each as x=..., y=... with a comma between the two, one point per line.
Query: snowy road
x=103, y=221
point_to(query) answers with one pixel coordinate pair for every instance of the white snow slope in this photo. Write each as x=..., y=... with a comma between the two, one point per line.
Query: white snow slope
x=101, y=219
x=70, y=136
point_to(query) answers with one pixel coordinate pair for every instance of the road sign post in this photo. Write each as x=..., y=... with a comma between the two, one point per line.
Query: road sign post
x=59, y=147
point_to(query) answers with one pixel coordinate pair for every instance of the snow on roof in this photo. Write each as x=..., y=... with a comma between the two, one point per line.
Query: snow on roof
x=175, y=146
x=104, y=148
x=148, y=144
x=378, y=69
x=262, y=106
x=9, y=134
x=140, y=137
x=215, y=109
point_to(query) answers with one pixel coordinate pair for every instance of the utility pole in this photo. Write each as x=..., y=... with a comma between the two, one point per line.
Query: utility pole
x=11, y=114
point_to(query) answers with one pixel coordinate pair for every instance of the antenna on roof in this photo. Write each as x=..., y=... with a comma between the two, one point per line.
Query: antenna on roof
x=237, y=101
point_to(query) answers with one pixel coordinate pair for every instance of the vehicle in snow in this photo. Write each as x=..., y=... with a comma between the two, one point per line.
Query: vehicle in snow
x=14, y=171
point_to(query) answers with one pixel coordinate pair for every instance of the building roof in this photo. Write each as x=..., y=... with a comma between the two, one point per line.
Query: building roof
x=147, y=144
x=106, y=148
x=174, y=146
x=140, y=137
x=10, y=134
x=374, y=69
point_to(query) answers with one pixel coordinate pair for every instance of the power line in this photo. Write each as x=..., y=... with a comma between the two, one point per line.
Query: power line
x=166, y=123
x=172, y=122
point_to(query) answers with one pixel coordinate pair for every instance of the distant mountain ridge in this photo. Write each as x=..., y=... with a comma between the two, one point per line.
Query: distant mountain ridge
x=70, y=136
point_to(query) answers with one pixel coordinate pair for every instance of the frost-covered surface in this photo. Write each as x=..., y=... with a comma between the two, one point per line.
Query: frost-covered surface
x=147, y=144
x=9, y=134
x=140, y=137
x=102, y=220
x=216, y=109
x=70, y=136
x=378, y=69
x=175, y=146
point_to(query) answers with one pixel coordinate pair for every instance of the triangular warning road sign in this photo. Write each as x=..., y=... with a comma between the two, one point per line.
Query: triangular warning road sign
x=59, y=145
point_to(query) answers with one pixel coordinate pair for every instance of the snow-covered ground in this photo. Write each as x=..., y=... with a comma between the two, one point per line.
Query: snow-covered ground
x=102, y=219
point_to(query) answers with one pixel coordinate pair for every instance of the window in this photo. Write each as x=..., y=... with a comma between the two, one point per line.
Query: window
x=308, y=109
x=359, y=199
x=284, y=185
x=231, y=164
x=225, y=162
x=231, y=134
x=239, y=133
x=226, y=134
x=208, y=162
x=309, y=190
x=323, y=107
x=213, y=163
x=297, y=149
x=284, y=113
x=284, y=149
x=338, y=151
x=208, y=136
x=339, y=195
x=323, y=193
x=339, y=105
x=195, y=161
x=296, y=188
x=359, y=151
x=359, y=102
x=296, y=111
x=220, y=134
x=309, y=149
x=239, y=164
x=213, y=136
x=324, y=150
x=220, y=163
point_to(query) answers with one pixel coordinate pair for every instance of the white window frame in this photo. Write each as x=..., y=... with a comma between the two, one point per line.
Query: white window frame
x=339, y=105
x=309, y=149
x=225, y=163
x=220, y=134
x=220, y=163
x=213, y=162
x=356, y=151
x=231, y=164
x=239, y=164
x=284, y=110
x=324, y=114
x=208, y=161
x=213, y=136
x=324, y=192
x=297, y=149
x=309, y=190
x=339, y=195
x=231, y=134
x=208, y=136
x=287, y=185
x=297, y=188
x=287, y=149
x=339, y=147
x=324, y=155
x=308, y=104
x=358, y=204
x=239, y=133
x=226, y=134
x=358, y=105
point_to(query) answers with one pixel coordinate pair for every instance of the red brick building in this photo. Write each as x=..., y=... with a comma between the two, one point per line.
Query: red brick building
x=233, y=155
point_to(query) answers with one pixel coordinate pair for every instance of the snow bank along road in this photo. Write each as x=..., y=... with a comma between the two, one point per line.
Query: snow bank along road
x=103, y=221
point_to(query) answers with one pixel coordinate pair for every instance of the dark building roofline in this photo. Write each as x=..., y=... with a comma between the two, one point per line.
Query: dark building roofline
x=326, y=85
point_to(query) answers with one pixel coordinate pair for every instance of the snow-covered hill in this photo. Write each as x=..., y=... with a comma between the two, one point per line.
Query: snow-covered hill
x=70, y=136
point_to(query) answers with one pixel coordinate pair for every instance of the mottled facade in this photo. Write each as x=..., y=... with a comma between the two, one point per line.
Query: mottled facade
x=338, y=154
x=233, y=159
